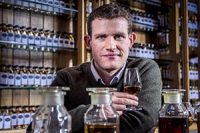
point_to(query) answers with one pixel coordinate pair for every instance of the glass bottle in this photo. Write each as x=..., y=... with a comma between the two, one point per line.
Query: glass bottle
x=52, y=116
x=101, y=116
x=173, y=116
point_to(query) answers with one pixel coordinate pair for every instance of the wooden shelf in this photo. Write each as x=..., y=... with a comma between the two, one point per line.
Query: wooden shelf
x=13, y=131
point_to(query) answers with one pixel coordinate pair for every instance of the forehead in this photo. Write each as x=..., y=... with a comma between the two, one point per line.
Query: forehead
x=115, y=24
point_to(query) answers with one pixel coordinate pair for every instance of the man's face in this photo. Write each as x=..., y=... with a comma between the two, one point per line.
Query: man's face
x=110, y=43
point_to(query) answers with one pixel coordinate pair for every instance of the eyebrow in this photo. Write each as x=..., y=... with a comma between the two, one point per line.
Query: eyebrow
x=117, y=33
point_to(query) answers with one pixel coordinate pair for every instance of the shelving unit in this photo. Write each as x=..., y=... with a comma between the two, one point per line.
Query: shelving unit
x=17, y=57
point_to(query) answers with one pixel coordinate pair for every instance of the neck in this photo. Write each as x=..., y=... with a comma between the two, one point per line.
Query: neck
x=105, y=74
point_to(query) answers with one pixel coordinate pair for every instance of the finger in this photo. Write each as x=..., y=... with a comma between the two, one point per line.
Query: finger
x=124, y=95
x=119, y=107
x=124, y=101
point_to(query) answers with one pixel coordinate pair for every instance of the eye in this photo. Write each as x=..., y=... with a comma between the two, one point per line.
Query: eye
x=101, y=37
x=119, y=37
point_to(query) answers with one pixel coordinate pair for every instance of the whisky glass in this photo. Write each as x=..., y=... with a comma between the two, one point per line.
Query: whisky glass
x=132, y=85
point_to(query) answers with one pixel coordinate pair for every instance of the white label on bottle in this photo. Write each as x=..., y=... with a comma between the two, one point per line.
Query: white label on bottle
x=31, y=79
x=66, y=43
x=24, y=39
x=37, y=79
x=4, y=36
x=30, y=39
x=18, y=79
x=10, y=80
x=20, y=119
x=37, y=40
x=7, y=122
x=10, y=37
x=43, y=41
x=14, y=119
x=24, y=79
x=49, y=79
x=43, y=80
x=49, y=41
x=4, y=77
x=55, y=42
x=27, y=118
x=17, y=38
x=1, y=121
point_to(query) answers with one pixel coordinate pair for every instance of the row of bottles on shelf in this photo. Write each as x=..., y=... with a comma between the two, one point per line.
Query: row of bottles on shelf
x=192, y=41
x=192, y=7
x=194, y=92
x=148, y=22
x=193, y=72
x=48, y=6
x=26, y=76
x=32, y=36
x=144, y=51
x=16, y=117
x=144, y=21
x=147, y=50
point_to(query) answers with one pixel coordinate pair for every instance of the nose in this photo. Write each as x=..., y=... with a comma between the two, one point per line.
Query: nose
x=111, y=43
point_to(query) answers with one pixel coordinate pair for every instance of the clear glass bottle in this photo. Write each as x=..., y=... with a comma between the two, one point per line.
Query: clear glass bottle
x=173, y=116
x=101, y=116
x=52, y=116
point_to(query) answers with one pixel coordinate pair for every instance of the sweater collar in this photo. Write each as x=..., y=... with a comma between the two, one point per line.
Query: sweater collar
x=114, y=80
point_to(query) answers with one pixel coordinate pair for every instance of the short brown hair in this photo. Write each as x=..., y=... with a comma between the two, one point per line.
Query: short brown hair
x=109, y=11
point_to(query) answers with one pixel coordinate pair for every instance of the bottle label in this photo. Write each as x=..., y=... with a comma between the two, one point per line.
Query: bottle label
x=55, y=42
x=49, y=79
x=43, y=80
x=31, y=39
x=24, y=79
x=27, y=118
x=24, y=39
x=18, y=79
x=43, y=41
x=11, y=79
x=20, y=119
x=14, y=119
x=31, y=79
x=4, y=36
x=37, y=79
x=49, y=42
x=37, y=40
x=10, y=37
x=3, y=78
x=17, y=38
x=7, y=122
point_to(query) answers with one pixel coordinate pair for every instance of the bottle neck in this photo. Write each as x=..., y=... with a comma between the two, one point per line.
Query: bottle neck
x=53, y=99
x=172, y=98
x=101, y=99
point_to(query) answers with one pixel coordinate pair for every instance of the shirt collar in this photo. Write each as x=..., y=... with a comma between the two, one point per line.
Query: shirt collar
x=114, y=80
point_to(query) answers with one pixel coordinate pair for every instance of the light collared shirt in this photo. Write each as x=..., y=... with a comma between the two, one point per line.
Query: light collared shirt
x=114, y=80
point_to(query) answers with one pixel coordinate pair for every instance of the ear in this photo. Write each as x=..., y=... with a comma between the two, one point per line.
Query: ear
x=132, y=38
x=87, y=39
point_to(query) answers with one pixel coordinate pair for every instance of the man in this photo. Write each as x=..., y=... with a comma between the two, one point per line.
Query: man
x=110, y=37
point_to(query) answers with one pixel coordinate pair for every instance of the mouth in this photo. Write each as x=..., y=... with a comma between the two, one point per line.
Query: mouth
x=113, y=54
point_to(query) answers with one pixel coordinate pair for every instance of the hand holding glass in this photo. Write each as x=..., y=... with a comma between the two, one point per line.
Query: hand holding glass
x=132, y=84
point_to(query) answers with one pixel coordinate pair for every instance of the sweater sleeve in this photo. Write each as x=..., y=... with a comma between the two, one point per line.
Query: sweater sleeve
x=149, y=99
